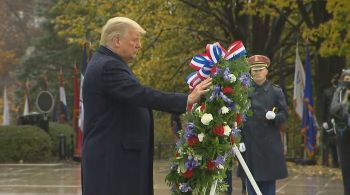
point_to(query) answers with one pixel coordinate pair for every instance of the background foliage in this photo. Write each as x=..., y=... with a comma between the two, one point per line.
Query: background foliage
x=55, y=131
x=25, y=143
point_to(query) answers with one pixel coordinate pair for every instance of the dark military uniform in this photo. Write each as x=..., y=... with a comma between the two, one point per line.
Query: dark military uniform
x=264, y=149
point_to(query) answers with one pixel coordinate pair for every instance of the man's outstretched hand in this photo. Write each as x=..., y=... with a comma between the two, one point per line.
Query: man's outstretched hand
x=198, y=91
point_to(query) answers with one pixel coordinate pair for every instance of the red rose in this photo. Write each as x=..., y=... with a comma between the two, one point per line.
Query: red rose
x=238, y=119
x=188, y=174
x=227, y=90
x=210, y=165
x=219, y=130
x=193, y=140
x=202, y=107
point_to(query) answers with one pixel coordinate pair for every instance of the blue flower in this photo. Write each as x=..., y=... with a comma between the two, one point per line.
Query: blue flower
x=245, y=79
x=231, y=106
x=235, y=131
x=226, y=74
x=189, y=130
x=215, y=93
x=191, y=163
x=184, y=187
x=225, y=98
x=219, y=161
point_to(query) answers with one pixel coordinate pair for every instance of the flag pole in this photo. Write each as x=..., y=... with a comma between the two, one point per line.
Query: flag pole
x=6, y=112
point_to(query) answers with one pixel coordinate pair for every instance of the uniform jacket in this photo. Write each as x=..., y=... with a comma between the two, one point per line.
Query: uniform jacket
x=264, y=150
x=118, y=127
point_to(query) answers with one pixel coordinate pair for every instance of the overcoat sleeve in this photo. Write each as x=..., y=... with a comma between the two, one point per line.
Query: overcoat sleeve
x=282, y=108
x=123, y=87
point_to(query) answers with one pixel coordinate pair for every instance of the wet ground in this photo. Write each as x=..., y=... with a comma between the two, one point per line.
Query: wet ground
x=64, y=179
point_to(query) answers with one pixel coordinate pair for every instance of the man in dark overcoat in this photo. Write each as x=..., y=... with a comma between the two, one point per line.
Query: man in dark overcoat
x=118, y=123
x=263, y=145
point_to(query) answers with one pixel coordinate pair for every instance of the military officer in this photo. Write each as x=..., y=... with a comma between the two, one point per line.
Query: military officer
x=263, y=145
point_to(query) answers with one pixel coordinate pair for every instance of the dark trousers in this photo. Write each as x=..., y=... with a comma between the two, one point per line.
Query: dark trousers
x=330, y=149
x=333, y=151
x=266, y=187
x=343, y=136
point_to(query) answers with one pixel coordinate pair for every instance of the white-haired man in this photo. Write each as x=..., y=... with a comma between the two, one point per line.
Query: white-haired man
x=118, y=127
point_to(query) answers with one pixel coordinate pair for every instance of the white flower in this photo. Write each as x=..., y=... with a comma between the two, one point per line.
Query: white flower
x=227, y=130
x=224, y=110
x=198, y=157
x=220, y=166
x=206, y=118
x=232, y=78
x=201, y=136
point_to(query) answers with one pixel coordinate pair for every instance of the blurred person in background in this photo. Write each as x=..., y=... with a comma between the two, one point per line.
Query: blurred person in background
x=340, y=110
x=328, y=134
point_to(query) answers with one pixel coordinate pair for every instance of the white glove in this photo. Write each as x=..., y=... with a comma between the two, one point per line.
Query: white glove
x=270, y=115
x=241, y=147
x=325, y=125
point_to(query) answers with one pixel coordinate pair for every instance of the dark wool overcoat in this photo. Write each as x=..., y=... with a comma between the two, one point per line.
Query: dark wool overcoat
x=264, y=150
x=118, y=127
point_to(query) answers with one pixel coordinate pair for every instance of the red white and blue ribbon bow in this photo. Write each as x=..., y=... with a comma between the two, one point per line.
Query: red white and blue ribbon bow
x=205, y=63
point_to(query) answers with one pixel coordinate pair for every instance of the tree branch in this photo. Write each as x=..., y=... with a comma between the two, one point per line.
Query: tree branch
x=19, y=21
x=304, y=13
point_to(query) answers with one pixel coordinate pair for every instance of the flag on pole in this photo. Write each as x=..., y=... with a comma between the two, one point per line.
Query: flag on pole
x=6, y=112
x=63, y=116
x=308, y=120
x=76, y=105
x=299, y=84
x=83, y=69
x=26, y=99
x=26, y=106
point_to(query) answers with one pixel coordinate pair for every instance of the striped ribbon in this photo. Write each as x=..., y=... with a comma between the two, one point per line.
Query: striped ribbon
x=205, y=64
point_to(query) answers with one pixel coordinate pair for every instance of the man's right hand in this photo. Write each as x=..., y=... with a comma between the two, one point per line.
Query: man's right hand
x=198, y=91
